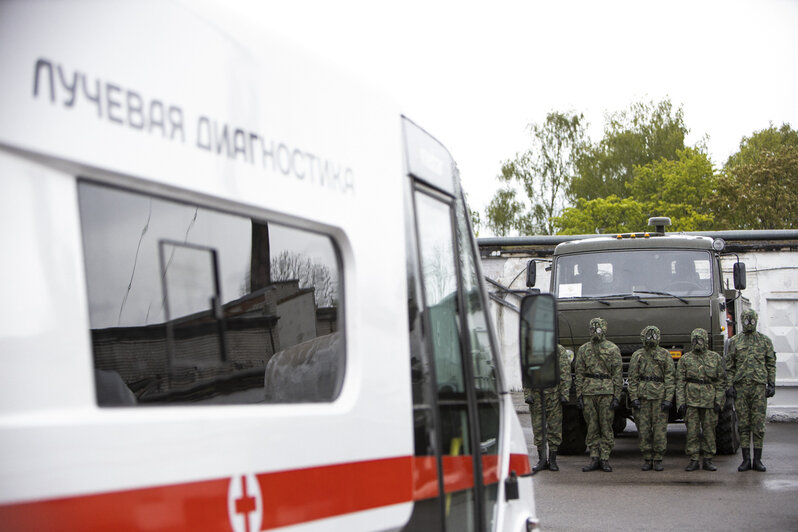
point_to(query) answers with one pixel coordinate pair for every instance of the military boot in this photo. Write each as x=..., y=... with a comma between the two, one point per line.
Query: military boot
x=605, y=466
x=746, y=463
x=658, y=465
x=708, y=465
x=757, y=462
x=692, y=466
x=647, y=465
x=593, y=465
x=542, y=463
x=553, y=461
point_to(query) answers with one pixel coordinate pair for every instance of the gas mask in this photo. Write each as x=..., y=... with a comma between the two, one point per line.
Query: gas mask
x=598, y=329
x=749, y=319
x=650, y=336
x=699, y=339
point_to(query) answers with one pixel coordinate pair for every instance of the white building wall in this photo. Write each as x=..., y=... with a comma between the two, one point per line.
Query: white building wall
x=772, y=289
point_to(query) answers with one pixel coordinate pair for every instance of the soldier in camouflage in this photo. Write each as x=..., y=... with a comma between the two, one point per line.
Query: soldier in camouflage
x=652, y=381
x=700, y=394
x=599, y=382
x=554, y=398
x=751, y=370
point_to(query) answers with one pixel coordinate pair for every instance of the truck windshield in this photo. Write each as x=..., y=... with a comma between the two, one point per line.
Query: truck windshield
x=654, y=272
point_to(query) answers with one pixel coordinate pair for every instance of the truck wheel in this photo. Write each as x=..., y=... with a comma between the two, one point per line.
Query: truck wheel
x=618, y=424
x=727, y=436
x=574, y=430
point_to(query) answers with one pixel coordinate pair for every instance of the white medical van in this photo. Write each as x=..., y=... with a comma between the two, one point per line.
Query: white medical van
x=240, y=292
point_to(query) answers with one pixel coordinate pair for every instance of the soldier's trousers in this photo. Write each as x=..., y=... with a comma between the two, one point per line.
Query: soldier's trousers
x=600, y=439
x=701, y=424
x=751, y=405
x=652, y=427
x=553, y=420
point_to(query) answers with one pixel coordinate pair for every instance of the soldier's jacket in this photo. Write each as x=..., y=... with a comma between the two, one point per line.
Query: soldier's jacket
x=652, y=374
x=599, y=369
x=706, y=367
x=751, y=357
x=563, y=389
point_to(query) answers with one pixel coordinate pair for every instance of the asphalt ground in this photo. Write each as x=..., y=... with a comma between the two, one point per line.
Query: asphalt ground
x=674, y=499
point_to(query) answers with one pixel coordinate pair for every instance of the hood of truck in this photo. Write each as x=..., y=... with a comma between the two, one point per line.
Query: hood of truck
x=627, y=318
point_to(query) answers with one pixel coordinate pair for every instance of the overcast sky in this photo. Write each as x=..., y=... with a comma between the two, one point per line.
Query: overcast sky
x=476, y=74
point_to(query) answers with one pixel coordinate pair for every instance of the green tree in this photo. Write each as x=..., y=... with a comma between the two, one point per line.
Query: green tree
x=476, y=222
x=764, y=142
x=758, y=188
x=504, y=212
x=602, y=215
x=677, y=188
x=543, y=173
x=644, y=133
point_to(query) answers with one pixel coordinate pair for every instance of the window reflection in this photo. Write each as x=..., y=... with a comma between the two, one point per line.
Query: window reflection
x=188, y=304
x=439, y=274
x=484, y=366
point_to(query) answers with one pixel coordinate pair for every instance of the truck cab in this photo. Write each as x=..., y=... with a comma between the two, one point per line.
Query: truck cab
x=672, y=281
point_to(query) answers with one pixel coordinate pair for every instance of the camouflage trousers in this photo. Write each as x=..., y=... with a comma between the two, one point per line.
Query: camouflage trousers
x=553, y=420
x=751, y=405
x=701, y=424
x=598, y=415
x=652, y=428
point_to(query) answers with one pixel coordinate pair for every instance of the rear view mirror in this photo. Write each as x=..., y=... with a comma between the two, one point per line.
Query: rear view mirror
x=538, y=341
x=739, y=275
x=531, y=273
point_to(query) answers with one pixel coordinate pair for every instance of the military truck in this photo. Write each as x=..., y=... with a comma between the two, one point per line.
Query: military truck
x=674, y=281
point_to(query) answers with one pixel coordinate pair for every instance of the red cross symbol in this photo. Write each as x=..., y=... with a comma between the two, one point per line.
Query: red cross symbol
x=244, y=508
x=246, y=504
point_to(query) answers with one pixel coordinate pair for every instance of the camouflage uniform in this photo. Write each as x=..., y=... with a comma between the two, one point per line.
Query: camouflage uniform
x=552, y=397
x=599, y=382
x=700, y=394
x=652, y=381
x=751, y=370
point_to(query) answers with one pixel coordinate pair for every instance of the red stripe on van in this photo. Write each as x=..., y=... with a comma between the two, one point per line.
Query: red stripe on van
x=490, y=468
x=520, y=464
x=425, y=477
x=292, y=497
x=289, y=497
x=190, y=506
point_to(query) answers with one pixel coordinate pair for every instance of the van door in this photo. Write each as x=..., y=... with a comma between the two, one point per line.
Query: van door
x=462, y=384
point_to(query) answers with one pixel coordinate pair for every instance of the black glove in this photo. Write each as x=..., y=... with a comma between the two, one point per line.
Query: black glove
x=682, y=410
x=665, y=406
x=614, y=403
x=529, y=400
x=635, y=404
x=563, y=400
x=770, y=390
x=717, y=409
x=580, y=403
x=731, y=392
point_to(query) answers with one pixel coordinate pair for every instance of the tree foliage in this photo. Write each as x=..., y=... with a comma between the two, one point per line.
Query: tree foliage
x=504, y=212
x=543, y=173
x=758, y=188
x=644, y=133
x=601, y=215
x=642, y=168
x=678, y=189
x=674, y=188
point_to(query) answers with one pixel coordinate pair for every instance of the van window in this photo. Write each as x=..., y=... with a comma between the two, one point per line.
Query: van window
x=188, y=304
